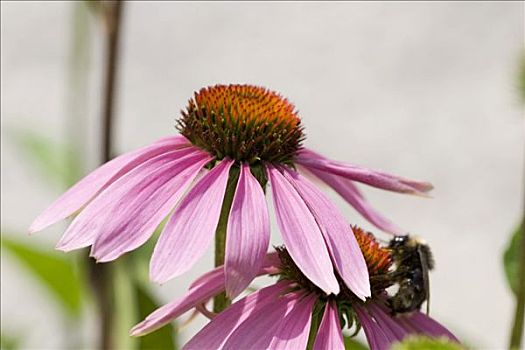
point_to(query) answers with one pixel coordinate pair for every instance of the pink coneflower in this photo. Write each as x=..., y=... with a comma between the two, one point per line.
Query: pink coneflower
x=238, y=137
x=280, y=316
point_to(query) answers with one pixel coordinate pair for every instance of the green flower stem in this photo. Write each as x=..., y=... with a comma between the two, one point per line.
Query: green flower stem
x=221, y=302
x=317, y=315
x=519, y=314
x=516, y=335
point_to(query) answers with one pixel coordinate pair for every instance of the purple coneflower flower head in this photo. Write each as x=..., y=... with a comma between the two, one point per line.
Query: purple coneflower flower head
x=281, y=315
x=236, y=137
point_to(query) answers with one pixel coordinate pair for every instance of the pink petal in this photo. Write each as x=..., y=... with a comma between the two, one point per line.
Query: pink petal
x=329, y=335
x=342, y=244
x=218, y=330
x=352, y=195
x=195, y=296
x=145, y=202
x=293, y=332
x=259, y=328
x=388, y=324
x=375, y=336
x=105, y=211
x=312, y=160
x=84, y=190
x=206, y=277
x=248, y=233
x=191, y=228
x=301, y=234
x=271, y=265
x=427, y=326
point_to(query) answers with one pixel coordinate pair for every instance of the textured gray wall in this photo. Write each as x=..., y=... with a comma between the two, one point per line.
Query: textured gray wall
x=425, y=90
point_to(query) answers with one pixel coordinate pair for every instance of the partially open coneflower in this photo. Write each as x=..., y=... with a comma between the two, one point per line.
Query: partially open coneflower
x=281, y=315
x=238, y=137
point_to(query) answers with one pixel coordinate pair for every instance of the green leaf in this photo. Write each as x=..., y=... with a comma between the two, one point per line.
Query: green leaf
x=418, y=343
x=55, y=271
x=9, y=342
x=511, y=259
x=55, y=162
x=164, y=338
x=354, y=344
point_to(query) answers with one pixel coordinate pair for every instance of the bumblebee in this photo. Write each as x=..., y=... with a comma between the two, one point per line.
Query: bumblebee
x=412, y=260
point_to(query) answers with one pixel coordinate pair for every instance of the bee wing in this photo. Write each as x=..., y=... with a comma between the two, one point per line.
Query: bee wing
x=424, y=269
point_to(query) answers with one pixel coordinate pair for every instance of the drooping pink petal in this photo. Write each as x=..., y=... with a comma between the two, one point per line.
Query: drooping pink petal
x=259, y=328
x=248, y=233
x=105, y=211
x=342, y=244
x=218, y=330
x=145, y=202
x=427, y=326
x=191, y=228
x=377, y=339
x=312, y=160
x=271, y=265
x=329, y=335
x=87, y=188
x=301, y=234
x=389, y=325
x=293, y=332
x=353, y=196
x=193, y=297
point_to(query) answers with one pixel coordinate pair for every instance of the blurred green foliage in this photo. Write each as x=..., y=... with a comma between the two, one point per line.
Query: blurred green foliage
x=521, y=78
x=134, y=301
x=55, y=271
x=511, y=259
x=420, y=343
x=354, y=344
x=9, y=342
x=55, y=162
x=145, y=301
x=163, y=338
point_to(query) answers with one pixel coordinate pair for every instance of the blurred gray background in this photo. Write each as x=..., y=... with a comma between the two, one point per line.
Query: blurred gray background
x=424, y=90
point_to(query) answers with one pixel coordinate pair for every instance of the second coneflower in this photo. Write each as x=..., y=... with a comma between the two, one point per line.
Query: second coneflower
x=293, y=311
x=234, y=139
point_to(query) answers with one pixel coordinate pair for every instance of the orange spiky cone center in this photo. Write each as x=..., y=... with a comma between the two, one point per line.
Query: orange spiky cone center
x=378, y=259
x=243, y=122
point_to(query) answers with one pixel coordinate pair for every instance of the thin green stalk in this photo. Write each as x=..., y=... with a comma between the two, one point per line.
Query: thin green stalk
x=221, y=302
x=519, y=314
x=317, y=315
x=516, y=335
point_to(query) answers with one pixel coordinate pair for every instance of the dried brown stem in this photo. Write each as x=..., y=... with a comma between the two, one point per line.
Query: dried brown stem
x=101, y=274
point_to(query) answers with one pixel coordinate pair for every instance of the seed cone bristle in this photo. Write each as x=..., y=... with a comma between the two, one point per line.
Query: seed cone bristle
x=243, y=122
x=378, y=259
